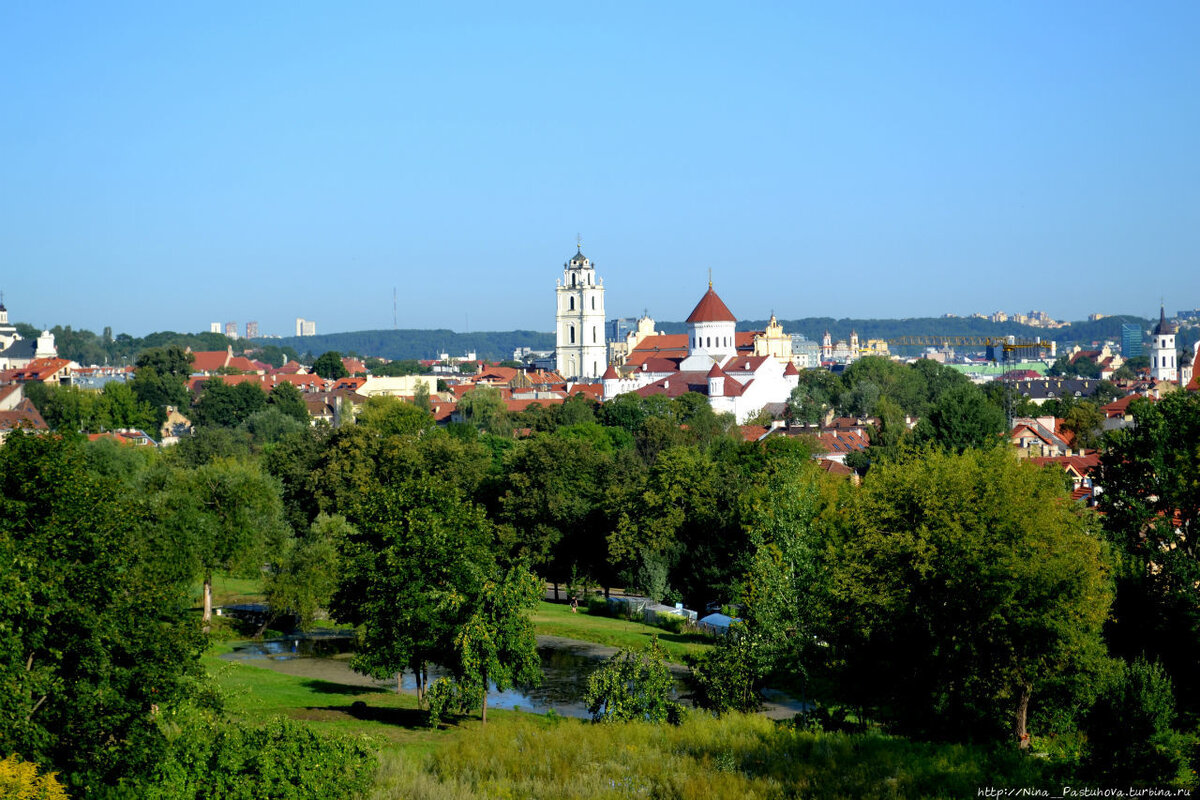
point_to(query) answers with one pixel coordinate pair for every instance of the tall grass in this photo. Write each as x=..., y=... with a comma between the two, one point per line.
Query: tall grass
x=736, y=757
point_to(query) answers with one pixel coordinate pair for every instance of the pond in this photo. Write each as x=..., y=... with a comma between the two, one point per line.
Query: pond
x=566, y=665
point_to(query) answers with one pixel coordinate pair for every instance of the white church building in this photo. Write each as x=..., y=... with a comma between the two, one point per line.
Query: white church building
x=718, y=362
x=581, y=350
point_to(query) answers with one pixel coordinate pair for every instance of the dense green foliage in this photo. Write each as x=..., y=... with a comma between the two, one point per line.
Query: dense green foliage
x=633, y=686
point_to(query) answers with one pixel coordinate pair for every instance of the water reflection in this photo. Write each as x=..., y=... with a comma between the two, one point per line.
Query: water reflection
x=565, y=671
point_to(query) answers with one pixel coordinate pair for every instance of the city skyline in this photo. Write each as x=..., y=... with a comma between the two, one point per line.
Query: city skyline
x=167, y=167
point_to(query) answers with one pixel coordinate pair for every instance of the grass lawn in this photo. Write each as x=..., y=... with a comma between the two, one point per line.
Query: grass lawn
x=255, y=694
x=228, y=590
x=556, y=619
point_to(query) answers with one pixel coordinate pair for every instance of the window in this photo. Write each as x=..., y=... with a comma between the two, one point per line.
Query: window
x=593, y=302
x=572, y=280
x=709, y=340
x=571, y=333
x=593, y=334
x=571, y=304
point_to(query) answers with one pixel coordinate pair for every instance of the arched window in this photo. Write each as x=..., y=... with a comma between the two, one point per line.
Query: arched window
x=572, y=280
x=593, y=302
x=571, y=333
x=571, y=304
x=709, y=340
x=593, y=334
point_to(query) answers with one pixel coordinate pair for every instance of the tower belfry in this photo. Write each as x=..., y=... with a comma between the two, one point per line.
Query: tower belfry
x=580, y=348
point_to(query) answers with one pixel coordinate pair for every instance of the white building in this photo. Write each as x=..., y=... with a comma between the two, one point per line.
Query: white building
x=719, y=364
x=1163, y=357
x=580, y=350
x=305, y=327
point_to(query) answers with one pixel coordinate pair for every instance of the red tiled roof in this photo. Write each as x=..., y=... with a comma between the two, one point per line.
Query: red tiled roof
x=25, y=415
x=209, y=360
x=1120, y=407
x=305, y=383
x=353, y=365
x=834, y=468
x=290, y=368
x=1194, y=383
x=843, y=441
x=752, y=433
x=610, y=373
x=790, y=369
x=40, y=369
x=594, y=390
x=711, y=309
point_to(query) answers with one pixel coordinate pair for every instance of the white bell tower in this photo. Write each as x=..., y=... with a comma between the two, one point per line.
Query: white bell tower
x=580, y=349
x=1163, y=357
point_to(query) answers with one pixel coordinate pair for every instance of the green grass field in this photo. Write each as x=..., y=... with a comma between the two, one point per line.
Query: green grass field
x=521, y=755
x=556, y=619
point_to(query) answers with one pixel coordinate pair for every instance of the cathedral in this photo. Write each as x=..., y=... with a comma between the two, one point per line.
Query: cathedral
x=581, y=350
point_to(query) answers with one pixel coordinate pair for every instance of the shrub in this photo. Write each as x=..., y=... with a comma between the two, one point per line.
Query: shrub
x=673, y=623
x=279, y=759
x=20, y=780
x=1130, y=739
x=599, y=607
x=633, y=686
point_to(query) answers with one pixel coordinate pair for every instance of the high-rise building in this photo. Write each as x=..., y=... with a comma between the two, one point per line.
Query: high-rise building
x=231, y=330
x=251, y=330
x=214, y=327
x=1131, y=340
x=305, y=327
x=579, y=325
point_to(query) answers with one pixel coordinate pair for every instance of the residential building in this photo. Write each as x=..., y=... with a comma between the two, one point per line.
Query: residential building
x=231, y=330
x=252, y=330
x=305, y=327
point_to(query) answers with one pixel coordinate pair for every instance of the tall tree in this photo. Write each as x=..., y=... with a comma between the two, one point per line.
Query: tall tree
x=93, y=635
x=329, y=365
x=496, y=644
x=290, y=400
x=968, y=582
x=411, y=571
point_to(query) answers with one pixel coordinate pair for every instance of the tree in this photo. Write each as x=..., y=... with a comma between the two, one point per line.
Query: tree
x=269, y=426
x=306, y=576
x=1085, y=421
x=483, y=408
x=633, y=686
x=962, y=418
x=159, y=390
x=329, y=365
x=552, y=503
x=1150, y=472
x=968, y=581
x=391, y=416
x=226, y=514
x=816, y=393
x=496, y=644
x=290, y=400
x=169, y=360
x=93, y=635
x=412, y=569
x=228, y=405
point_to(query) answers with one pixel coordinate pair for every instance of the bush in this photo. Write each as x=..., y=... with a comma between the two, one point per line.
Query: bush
x=279, y=759
x=20, y=780
x=599, y=607
x=1130, y=739
x=674, y=623
x=633, y=686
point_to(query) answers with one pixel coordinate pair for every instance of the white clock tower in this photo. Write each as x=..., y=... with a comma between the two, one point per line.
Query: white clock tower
x=581, y=352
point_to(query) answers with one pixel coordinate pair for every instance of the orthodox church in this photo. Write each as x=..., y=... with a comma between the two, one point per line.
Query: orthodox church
x=713, y=359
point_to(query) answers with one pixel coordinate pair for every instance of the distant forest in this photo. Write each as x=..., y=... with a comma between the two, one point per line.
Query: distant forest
x=86, y=347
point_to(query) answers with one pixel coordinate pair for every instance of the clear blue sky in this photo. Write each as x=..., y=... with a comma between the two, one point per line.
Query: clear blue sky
x=165, y=165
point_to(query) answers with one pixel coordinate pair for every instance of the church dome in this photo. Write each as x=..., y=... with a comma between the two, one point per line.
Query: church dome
x=711, y=309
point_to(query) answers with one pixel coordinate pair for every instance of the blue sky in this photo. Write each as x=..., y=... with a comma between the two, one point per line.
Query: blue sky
x=167, y=165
